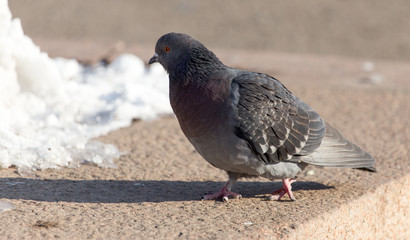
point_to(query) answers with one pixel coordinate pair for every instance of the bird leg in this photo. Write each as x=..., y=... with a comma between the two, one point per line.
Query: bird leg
x=225, y=192
x=286, y=188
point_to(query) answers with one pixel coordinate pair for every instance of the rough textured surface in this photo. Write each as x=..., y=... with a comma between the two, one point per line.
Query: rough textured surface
x=379, y=214
x=155, y=190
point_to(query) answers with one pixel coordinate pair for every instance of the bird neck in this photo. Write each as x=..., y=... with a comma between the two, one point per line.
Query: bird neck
x=194, y=76
x=197, y=88
x=195, y=58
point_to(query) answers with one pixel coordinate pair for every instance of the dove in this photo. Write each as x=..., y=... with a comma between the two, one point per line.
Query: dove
x=248, y=123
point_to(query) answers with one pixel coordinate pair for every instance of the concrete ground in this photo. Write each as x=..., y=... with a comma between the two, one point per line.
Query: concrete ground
x=155, y=191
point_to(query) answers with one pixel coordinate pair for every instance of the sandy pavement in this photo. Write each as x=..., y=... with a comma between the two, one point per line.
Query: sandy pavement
x=155, y=191
x=156, y=188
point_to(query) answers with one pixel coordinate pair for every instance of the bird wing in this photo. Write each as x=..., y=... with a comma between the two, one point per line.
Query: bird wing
x=276, y=124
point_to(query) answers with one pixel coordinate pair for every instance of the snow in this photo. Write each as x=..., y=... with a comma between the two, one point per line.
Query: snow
x=51, y=109
x=5, y=206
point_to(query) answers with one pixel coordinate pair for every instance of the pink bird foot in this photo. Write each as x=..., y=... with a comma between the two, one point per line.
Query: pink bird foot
x=223, y=193
x=287, y=188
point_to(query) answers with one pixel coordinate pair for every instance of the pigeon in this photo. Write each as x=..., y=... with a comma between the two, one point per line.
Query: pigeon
x=248, y=123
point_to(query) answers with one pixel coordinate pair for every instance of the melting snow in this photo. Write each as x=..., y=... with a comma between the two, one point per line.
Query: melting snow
x=51, y=108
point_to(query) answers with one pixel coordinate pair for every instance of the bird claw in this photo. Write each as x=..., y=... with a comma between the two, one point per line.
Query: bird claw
x=286, y=189
x=224, y=193
x=277, y=198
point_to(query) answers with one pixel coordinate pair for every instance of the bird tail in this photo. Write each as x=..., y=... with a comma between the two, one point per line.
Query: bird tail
x=337, y=151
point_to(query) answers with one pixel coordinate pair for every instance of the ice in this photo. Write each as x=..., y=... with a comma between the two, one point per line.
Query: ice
x=5, y=206
x=51, y=109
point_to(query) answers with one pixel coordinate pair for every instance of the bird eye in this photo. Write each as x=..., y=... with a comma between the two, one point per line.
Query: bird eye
x=166, y=49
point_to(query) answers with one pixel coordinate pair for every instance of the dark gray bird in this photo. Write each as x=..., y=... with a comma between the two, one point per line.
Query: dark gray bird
x=248, y=123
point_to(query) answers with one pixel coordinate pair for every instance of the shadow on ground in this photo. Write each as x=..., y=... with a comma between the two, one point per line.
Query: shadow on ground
x=114, y=191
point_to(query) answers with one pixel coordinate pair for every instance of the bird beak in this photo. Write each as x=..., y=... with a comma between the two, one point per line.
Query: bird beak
x=153, y=59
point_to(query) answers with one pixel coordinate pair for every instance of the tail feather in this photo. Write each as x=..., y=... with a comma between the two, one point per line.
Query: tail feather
x=337, y=151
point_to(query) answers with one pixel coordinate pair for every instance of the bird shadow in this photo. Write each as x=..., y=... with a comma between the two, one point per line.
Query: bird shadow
x=139, y=191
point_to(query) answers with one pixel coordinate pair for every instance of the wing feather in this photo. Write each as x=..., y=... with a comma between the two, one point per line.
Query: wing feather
x=276, y=124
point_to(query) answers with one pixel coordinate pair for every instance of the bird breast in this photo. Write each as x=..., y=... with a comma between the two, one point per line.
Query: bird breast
x=200, y=109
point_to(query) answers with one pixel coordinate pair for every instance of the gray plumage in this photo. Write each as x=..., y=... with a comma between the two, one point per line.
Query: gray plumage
x=247, y=123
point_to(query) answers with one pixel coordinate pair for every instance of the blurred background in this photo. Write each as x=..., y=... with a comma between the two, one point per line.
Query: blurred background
x=368, y=29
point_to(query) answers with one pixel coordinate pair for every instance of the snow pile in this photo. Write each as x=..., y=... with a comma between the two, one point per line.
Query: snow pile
x=51, y=108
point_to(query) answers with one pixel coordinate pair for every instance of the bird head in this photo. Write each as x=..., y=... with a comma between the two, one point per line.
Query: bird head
x=180, y=53
x=171, y=49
